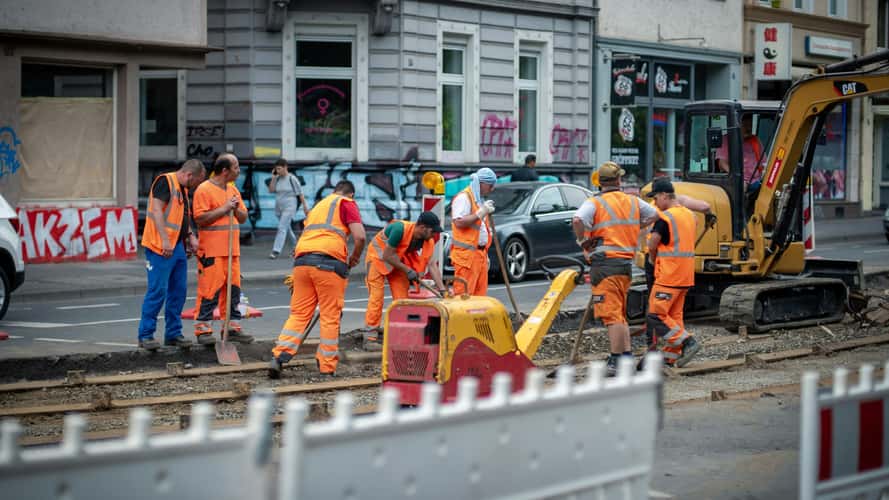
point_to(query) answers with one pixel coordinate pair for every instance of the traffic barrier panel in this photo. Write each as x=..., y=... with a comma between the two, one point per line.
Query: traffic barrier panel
x=844, y=446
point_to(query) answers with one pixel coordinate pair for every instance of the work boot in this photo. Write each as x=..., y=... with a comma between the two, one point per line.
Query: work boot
x=179, y=341
x=236, y=335
x=149, y=344
x=206, y=339
x=611, y=365
x=275, y=368
x=690, y=347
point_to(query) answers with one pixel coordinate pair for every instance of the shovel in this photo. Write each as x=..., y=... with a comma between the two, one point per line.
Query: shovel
x=226, y=352
x=518, y=314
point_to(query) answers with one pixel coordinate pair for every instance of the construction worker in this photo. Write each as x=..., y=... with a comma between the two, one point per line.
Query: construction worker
x=671, y=249
x=471, y=234
x=320, y=274
x=168, y=240
x=607, y=228
x=214, y=201
x=399, y=254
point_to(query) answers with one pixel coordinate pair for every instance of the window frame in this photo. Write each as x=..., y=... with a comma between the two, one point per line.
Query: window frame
x=450, y=35
x=178, y=151
x=806, y=7
x=541, y=44
x=333, y=28
x=842, y=9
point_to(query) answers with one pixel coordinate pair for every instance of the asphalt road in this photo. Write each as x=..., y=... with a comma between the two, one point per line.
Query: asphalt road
x=39, y=328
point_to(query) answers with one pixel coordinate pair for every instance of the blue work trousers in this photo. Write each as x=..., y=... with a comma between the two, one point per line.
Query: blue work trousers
x=167, y=282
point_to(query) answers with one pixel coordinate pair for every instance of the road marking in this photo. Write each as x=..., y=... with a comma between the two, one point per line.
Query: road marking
x=67, y=341
x=876, y=251
x=107, y=321
x=32, y=324
x=90, y=306
x=354, y=309
x=115, y=344
x=14, y=337
x=11, y=309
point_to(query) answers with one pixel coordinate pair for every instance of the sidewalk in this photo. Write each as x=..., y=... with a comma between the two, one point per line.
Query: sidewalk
x=115, y=278
x=848, y=229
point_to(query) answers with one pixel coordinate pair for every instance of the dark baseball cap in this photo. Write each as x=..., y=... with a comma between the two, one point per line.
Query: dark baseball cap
x=661, y=185
x=431, y=220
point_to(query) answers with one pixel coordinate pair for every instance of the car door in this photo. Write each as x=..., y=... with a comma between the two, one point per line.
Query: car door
x=574, y=198
x=547, y=231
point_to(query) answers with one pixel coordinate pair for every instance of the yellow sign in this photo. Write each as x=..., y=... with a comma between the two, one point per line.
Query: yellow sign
x=266, y=152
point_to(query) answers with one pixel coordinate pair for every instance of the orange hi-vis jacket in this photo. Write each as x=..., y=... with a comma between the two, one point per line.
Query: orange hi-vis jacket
x=414, y=260
x=616, y=224
x=324, y=230
x=466, y=239
x=675, y=265
x=151, y=238
x=213, y=239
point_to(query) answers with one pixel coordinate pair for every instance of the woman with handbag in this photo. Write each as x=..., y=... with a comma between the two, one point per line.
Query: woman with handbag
x=288, y=198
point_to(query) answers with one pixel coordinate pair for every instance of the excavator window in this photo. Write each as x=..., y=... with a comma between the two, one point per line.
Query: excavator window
x=703, y=147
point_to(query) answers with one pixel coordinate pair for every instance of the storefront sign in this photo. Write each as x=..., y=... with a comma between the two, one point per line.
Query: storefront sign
x=773, y=51
x=828, y=47
x=623, y=81
x=672, y=80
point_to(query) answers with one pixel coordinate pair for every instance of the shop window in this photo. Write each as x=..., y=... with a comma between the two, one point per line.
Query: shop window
x=669, y=142
x=457, y=123
x=325, y=88
x=829, y=161
x=836, y=8
x=161, y=115
x=629, y=142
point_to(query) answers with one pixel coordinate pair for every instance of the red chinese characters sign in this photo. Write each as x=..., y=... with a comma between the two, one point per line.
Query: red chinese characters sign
x=78, y=234
x=773, y=51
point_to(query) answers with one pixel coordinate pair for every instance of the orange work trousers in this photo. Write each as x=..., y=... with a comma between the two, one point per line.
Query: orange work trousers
x=610, y=299
x=376, y=288
x=476, y=275
x=314, y=287
x=212, y=273
x=665, y=319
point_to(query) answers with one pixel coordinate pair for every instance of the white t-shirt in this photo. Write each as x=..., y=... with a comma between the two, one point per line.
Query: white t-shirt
x=587, y=211
x=460, y=207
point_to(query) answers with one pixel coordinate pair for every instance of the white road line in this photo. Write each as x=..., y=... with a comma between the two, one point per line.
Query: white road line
x=32, y=324
x=106, y=322
x=11, y=309
x=876, y=251
x=67, y=341
x=14, y=337
x=90, y=306
x=115, y=344
x=354, y=309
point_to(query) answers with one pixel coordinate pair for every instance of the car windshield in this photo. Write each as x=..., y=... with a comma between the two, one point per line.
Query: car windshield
x=509, y=200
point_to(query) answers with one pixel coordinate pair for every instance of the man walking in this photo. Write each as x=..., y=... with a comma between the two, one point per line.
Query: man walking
x=215, y=202
x=471, y=233
x=399, y=254
x=671, y=249
x=168, y=240
x=526, y=173
x=607, y=229
x=320, y=274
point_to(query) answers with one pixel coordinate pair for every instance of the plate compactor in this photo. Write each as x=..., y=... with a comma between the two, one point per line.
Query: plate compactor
x=443, y=339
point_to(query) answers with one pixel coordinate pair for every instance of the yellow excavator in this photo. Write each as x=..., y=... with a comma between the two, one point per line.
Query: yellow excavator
x=751, y=266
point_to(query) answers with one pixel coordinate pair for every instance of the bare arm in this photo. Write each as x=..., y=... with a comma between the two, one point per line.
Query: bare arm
x=302, y=199
x=273, y=183
x=653, y=241
x=578, y=227
x=391, y=257
x=466, y=221
x=157, y=215
x=693, y=204
x=359, y=237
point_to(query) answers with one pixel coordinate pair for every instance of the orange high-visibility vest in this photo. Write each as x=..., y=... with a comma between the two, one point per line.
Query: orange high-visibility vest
x=675, y=265
x=616, y=224
x=466, y=239
x=324, y=230
x=414, y=260
x=151, y=238
x=213, y=238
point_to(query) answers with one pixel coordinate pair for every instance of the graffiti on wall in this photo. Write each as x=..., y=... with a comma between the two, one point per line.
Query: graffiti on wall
x=496, y=141
x=9, y=157
x=201, y=137
x=78, y=234
x=569, y=145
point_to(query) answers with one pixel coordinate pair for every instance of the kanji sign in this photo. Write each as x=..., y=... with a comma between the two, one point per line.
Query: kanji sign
x=773, y=51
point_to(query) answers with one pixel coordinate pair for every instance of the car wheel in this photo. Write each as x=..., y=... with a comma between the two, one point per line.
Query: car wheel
x=4, y=293
x=516, y=257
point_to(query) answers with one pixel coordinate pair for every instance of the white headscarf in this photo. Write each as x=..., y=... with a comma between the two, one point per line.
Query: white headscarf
x=485, y=175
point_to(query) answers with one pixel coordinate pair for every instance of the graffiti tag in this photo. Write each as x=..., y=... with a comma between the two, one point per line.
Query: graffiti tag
x=205, y=130
x=9, y=162
x=199, y=150
x=78, y=234
x=567, y=145
x=496, y=138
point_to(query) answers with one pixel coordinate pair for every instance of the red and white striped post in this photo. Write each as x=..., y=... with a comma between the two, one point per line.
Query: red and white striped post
x=808, y=219
x=435, y=203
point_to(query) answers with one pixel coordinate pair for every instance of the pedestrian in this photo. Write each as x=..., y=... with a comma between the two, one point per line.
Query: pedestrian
x=471, y=233
x=215, y=202
x=671, y=249
x=527, y=172
x=399, y=254
x=607, y=228
x=168, y=239
x=288, y=198
x=320, y=274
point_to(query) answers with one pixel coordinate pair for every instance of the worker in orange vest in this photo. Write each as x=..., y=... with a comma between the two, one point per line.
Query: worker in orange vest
x=471, y=232
x=320, y=274
x=671, y=249
x=399, y=254
x=168, y=240
x=607, y=228
x=214, y=201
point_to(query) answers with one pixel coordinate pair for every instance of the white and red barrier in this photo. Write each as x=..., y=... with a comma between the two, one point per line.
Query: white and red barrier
x=808, y=219
x=844, y=445
x=436, y=204
x=78, y=234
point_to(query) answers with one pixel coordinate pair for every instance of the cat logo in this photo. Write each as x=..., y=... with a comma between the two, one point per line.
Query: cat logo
x=846, y=88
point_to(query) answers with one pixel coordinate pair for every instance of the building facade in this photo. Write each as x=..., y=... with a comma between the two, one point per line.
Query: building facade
x=652, y=58
x=875, y=168
x=800, y=35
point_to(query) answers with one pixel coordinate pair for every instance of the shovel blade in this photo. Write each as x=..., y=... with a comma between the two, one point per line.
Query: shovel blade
x=227, y=353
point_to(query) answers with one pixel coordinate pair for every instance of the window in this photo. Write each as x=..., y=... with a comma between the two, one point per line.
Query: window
x=836, y=8
x=702, y=157
x=457, y=123
x=883, y=24
x=548, y=200
x=574, y=197
x=533, y=94
x=44, y=80
x=325, y=88
x=829, y=159
x=802, y=5
x=528, y=86
x=161, y=115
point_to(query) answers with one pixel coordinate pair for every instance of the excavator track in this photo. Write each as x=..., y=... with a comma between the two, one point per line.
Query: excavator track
x=786, y=303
